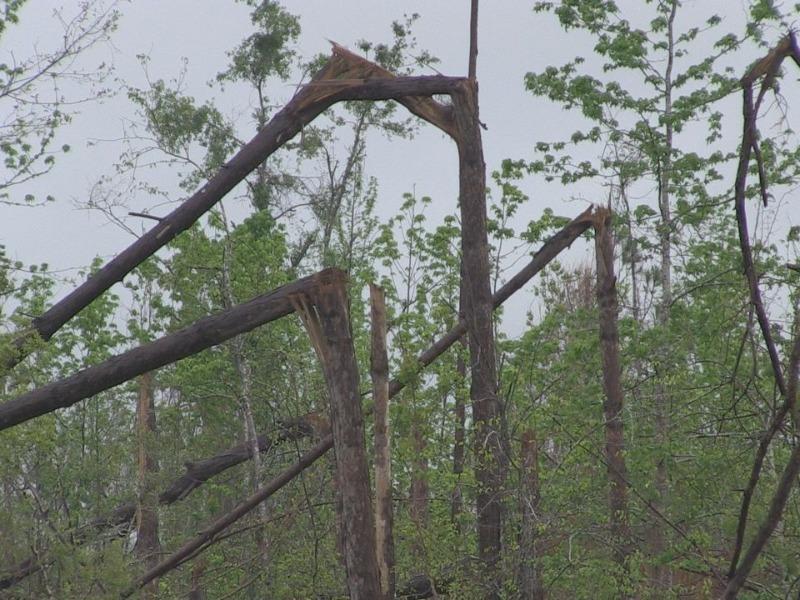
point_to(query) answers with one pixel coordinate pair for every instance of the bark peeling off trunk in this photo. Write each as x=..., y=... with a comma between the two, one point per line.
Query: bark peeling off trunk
x=325, y=314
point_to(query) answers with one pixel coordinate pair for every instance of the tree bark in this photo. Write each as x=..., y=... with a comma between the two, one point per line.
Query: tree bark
x=530, y=578
x=489, y=455
x=541, y=259
x=202, y=334
x=459, y=442
x=612, y=387
x=325, y=314
x=344, y=77
x=148, y=546
x=383, y=459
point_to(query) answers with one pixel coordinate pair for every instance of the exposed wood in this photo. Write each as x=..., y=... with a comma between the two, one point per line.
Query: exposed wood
x=549, y=250
x=612, y=387
x=489, y=455
x=379, y=371
x=325, y=314
x=202, y=470
x=530, y=584
x=344, y=77
x=203, y=334
x=147, y=547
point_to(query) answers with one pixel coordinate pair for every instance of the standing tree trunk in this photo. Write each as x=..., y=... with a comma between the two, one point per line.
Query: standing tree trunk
x=245, y=393
x=148, y=547
x=530, y=577
x=612, y=386
x=459, y=440
x=661, y=574
x=489, y=459
x=383, y=458
x=326, y=317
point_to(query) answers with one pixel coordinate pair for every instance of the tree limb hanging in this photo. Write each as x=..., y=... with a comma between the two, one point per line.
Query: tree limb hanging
x=767, y=68
x=344, y=77
x=541, y=259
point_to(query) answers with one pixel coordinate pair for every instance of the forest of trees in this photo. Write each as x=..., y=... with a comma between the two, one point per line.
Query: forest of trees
x=319, y=397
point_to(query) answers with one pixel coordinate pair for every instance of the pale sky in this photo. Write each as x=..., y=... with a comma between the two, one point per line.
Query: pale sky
x=513, y=41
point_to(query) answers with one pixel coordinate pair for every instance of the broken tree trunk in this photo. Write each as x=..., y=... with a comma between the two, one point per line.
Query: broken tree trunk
x=344, y=77
x=379, y=371
x=209, y=535
x=203, y=334
x=612, y=386
x=489, y=455
x=325, y=314
x=198, y=472
x=147, y=545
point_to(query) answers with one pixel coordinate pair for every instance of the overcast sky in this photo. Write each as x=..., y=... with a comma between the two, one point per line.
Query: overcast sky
x=513, y=41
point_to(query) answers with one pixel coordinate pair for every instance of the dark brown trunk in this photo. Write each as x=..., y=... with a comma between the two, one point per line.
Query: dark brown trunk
x=420, y=492
x=489, y=457
x=383, y=462
x=345, y=77
x=459, y=440
x=203, y=334
x=325, y=314
x=148, y=547
x=612, y=387
x=530, y=577
x=198, y=472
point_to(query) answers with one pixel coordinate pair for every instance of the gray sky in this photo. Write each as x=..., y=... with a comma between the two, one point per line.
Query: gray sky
x=513, y=40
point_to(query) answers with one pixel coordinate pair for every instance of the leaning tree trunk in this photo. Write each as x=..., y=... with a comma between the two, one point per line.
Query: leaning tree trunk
x=325, y=315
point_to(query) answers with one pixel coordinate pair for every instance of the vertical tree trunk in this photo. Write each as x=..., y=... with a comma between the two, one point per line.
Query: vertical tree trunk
x=383, y=463
x=489, y=459
x=530, y=578
x=459, y=441
x=245, y=376
x=661, y=574
x=326, y=318
x=148, y=547
x=420, y=490
x=612, y=386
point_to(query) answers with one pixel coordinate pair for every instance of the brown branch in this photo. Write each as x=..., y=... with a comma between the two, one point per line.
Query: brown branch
x=197, y=473
x=766, y=68
x=345, y=77
x=210, y=533
x=201, y=335
x=549, y=250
